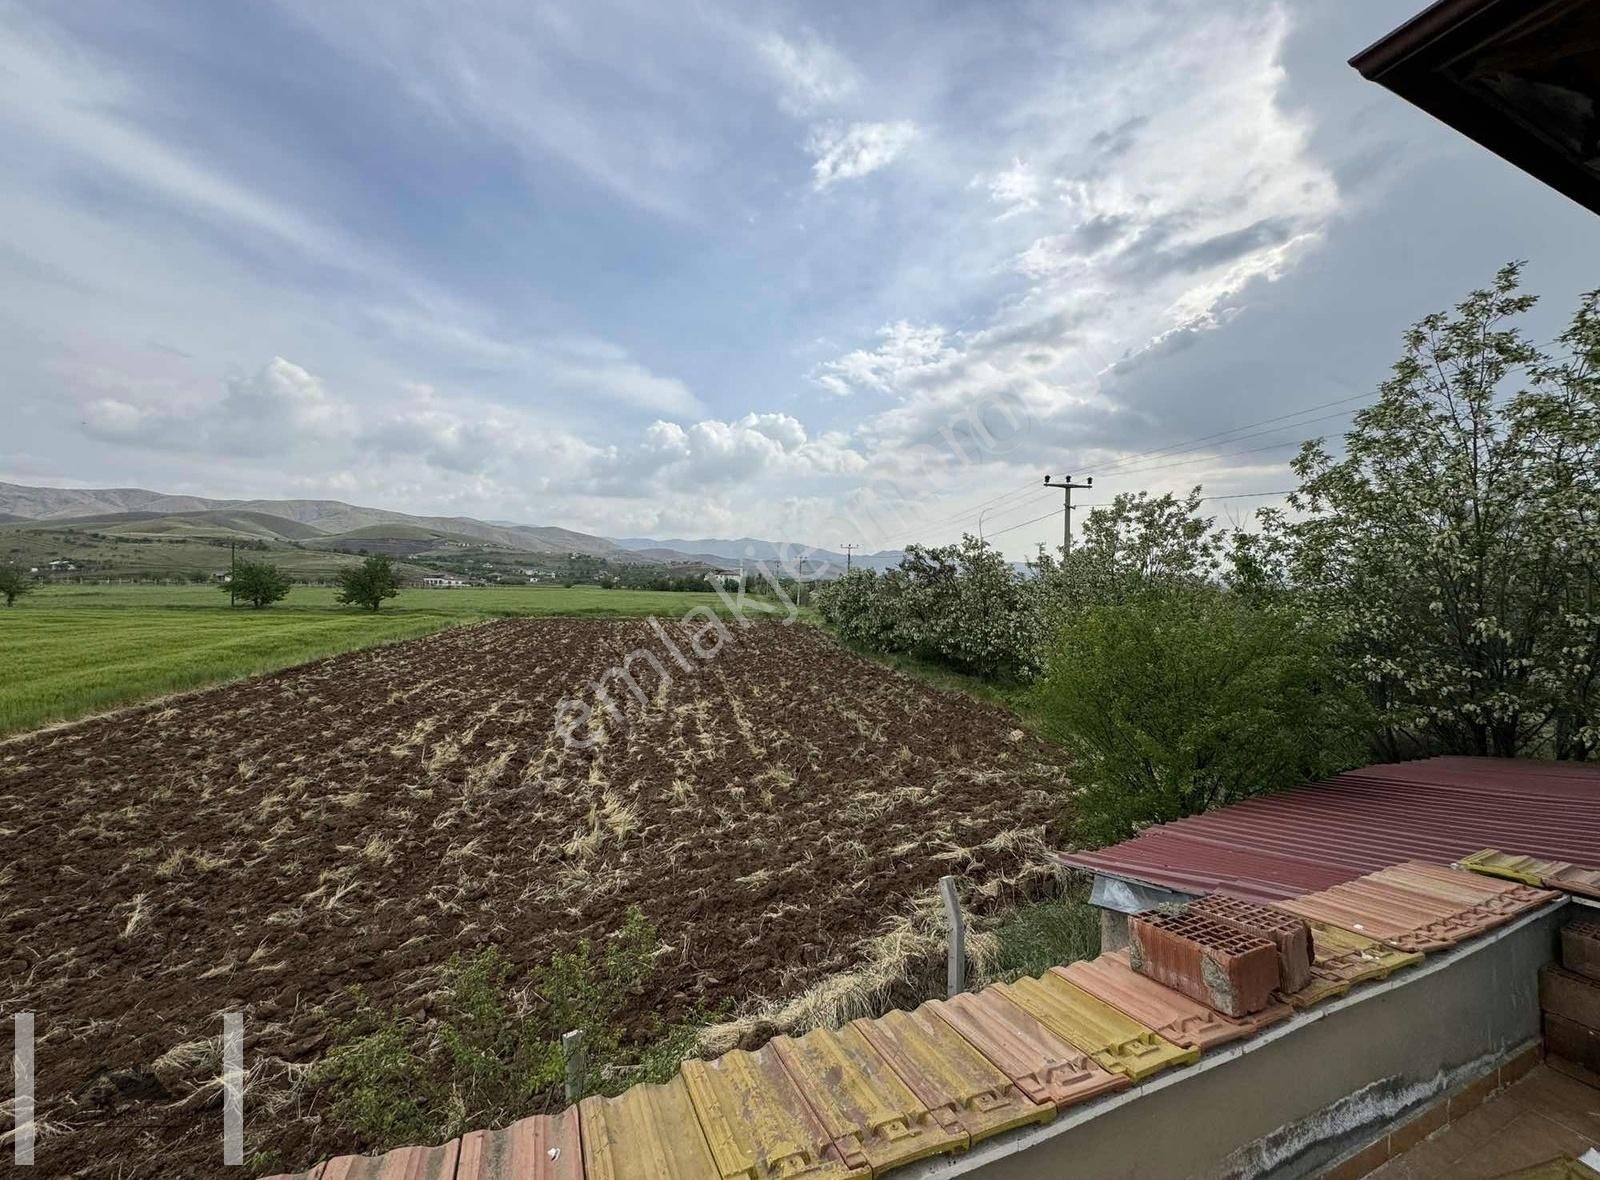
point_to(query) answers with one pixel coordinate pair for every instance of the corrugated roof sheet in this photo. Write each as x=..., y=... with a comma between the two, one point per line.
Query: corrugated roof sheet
x=1322, y=834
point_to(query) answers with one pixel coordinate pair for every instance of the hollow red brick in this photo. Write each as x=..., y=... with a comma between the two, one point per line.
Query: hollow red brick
x=1291, y=935
x=1232, y=972
x=1580, y=947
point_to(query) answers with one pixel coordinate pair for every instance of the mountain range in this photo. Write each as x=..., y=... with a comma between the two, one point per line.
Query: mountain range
x=336, y=525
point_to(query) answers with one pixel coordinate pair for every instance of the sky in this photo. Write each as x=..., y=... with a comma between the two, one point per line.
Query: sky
x=815, y=272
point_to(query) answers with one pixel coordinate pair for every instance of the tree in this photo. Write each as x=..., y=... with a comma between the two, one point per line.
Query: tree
x=963, y=605
x=260, y=583
x=1179, y=699
x=369, y=583
x=14, y=583
x=1129, y=546
x=1457, y=542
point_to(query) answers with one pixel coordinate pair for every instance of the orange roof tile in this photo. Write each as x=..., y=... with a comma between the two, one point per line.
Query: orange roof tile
x=1174, y=1015
x=545, y=1147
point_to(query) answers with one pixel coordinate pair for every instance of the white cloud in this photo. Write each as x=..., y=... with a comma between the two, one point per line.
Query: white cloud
x=810, y=72
x=846, y=153
x=1159, y=228
x=714, y=452
x=280, y=409
x=906, y=349
x=79, y=108
x=1016, y=188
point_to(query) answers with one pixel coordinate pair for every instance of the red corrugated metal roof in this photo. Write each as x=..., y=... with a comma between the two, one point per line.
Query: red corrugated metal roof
x=1321, y=834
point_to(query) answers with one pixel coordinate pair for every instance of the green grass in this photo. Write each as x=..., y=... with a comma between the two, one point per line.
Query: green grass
x=66, y=651
x=1043, y=934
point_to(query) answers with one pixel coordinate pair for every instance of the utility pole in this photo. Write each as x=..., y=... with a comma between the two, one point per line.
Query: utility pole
x=800, y=584
x=233, y=571
x=1067, y=485
x=849, y=551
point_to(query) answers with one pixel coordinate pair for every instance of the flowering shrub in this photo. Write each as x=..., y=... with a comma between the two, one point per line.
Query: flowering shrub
x=967, y=607
x=961, y=605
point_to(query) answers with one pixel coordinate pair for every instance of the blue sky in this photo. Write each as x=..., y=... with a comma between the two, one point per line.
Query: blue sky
x=811, y=271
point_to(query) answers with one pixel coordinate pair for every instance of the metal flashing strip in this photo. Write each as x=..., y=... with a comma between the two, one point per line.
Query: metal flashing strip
x=997, y=1150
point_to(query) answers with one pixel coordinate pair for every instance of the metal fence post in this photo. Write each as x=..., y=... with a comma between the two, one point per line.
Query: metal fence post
x=955, y=924
x=572, y=1052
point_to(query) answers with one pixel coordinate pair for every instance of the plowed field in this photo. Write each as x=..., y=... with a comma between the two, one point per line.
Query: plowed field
x=263, y=846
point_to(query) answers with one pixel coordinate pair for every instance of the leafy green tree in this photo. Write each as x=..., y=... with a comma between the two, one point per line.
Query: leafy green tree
x=1129, y=546
x=14, y=583
x=369, y=583
x=1457, y=541
x=962, y=605
x=260, y=583
x=1176, y=700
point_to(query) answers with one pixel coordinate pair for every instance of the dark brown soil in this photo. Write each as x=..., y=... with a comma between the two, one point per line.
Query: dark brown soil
x=263, y=846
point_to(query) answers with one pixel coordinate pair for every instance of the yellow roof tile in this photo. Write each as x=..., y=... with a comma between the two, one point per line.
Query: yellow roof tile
x=648, y=1133
x=1117, y=1042
x=871, y=1114
x=956, y=1082
x=757, y=1123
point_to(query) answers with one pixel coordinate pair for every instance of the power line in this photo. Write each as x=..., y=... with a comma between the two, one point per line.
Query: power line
x=1105, y=503
x=1123, y=466
x=1340, y=401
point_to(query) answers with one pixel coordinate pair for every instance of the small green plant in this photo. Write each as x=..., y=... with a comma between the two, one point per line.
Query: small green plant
x=492, y=1053
x=1042, y=934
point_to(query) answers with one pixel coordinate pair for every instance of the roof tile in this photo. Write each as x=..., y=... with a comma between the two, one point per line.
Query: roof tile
x=954, y=1080
x=405, y=1163
x=1044, y=1066
x=544, y=1147
x=1172, y=1014
x=647, y=1133
x=757, y=1122
x=1118, y=1043
x=872, y=1115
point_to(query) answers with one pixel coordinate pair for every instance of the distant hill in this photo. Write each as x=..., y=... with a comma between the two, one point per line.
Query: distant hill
x=822, y=562
x=316, y=518
x=114, y=525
